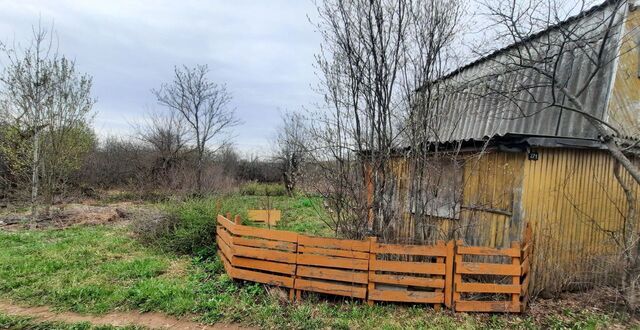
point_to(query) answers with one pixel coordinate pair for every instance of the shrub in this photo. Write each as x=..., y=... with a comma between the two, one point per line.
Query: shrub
x=188, y=227
x=262, y=189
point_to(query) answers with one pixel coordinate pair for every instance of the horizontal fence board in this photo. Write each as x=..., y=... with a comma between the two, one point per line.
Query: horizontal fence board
x=226, y=223
x=270, y=266
x=224, y=248
x=224, y=235
x=408, y=267
x=333, y=274
x=266, y=244
x=487, y=288
x=334, y=243
x=435, y=251
x=407, y=280
x=331, y=288
x=225, y=263
x=334, y=252
x=278, y=235
x=480, y=268
x=485, y=251
x=257, y=253
x=249, y=275
x=487, y=306
x=407, y=296
x=335, y=262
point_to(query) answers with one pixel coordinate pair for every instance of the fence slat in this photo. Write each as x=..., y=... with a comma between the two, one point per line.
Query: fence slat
x=408, y=296
x=332, y=274
x=335, y=262
x=331, y=288
x=408, y=267
x=407, y=280
x=481, y=268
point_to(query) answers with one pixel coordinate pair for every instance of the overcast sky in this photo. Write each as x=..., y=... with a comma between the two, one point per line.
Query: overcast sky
x=263, y=50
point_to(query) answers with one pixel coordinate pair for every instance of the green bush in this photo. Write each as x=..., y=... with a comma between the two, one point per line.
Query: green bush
x=187, y=227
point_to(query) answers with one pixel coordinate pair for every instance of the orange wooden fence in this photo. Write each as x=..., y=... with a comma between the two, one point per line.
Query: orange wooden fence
x=430, y=274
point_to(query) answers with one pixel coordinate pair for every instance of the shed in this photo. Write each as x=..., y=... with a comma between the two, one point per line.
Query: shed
x=547, y=166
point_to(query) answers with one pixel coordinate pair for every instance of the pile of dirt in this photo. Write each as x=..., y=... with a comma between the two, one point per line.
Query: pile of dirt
x=62, y=216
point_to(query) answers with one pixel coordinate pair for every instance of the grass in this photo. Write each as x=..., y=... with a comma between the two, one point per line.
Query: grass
x=99, y=269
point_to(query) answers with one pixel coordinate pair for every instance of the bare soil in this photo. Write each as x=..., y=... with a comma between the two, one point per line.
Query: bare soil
x=149, y=320
x=66, y=215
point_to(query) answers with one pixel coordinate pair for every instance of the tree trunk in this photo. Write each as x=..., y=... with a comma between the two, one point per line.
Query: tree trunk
x=35, y=176
x=630, y=241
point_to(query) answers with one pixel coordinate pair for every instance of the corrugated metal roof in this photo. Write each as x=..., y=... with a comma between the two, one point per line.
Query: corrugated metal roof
x=472, y=103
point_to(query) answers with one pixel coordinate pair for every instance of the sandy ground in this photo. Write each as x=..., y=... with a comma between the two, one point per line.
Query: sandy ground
x=149, y=320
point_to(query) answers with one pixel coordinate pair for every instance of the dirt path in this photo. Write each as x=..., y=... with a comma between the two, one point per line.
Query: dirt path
x=149, y=320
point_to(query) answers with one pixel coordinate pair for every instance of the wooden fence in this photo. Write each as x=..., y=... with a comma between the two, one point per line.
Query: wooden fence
x=428, y=274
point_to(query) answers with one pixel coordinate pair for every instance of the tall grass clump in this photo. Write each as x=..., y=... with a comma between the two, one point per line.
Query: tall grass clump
x=187, y=227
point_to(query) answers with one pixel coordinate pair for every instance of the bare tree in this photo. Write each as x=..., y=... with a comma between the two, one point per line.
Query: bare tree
x=49, y=103
x=291, y=142
x=545, y=62
x=375, y=54
x=204, y=106
x=167, y=135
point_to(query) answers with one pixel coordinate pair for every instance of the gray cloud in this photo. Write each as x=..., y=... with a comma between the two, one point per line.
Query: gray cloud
x=263, y=50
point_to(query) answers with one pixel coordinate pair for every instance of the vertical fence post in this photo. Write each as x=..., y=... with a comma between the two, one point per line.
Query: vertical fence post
x=441, y=260
x=457, y=278
x=515, y=298
x=237, y=220
x=448, y=278
x=293, y=293
x=372, y=258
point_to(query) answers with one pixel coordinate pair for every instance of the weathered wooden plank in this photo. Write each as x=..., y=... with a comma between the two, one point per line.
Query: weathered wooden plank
x=275, y=267
x=525, y=266
x=334, y=243
x=479, y=268
x=226, y=264
x=266, y=244
x=407, y=280
x=270, y=216
x=486, y=306
x=226, y=250
x=408, y=267
x=487, y=288
x=335, y=262
x=448, y=287
x=407, y=296
x=333, y=274
x=334, y=252
x=485, y=251
x=331, y=288
x=224, y=235
x=257, y=253
x=259, y=277
x=420, y=250
x=525, y=285
x=226, y=223
x=278, y=235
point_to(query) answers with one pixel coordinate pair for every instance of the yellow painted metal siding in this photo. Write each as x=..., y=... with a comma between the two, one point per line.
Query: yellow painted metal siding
x=491, y=193
x=624, y=104
x=575, y=205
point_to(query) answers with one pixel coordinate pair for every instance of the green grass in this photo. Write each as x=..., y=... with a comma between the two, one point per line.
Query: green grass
x=27, y=323
x=100, y=269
